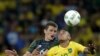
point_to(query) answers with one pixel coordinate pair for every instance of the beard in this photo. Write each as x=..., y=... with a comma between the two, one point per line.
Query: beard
x=62, y=41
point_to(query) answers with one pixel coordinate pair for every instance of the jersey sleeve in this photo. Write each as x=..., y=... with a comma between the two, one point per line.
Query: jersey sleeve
x=80, y=47
x=32, y=46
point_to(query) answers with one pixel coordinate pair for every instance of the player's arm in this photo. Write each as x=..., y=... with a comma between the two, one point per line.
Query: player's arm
x=11, y=53
x=27, y=54
x=83, y=49
x=90, y=49
x=31, y=49
x=32, y=46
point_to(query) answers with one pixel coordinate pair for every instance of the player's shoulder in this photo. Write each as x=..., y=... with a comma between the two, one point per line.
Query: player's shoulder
x=54, y=48
x=73, y=42
x=38, y=40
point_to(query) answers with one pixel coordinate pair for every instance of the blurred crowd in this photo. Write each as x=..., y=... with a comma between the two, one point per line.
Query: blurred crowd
x=22, y=21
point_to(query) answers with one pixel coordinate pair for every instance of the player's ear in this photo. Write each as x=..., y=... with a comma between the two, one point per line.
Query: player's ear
x=44, y=30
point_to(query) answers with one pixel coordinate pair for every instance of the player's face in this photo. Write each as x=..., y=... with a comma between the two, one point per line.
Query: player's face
x=50, y=32
x=64, y=35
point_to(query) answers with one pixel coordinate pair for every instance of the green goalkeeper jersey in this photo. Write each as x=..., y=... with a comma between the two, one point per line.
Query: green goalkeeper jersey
x=43, y=44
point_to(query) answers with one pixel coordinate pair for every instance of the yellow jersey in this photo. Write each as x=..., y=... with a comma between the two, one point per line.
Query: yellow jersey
x=71, y=50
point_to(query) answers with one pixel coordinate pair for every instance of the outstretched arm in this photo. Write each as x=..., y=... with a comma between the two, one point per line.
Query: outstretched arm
x=90, y=49
x=11, y=53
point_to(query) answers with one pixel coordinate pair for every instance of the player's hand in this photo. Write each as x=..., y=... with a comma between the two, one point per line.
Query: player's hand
x=11, y=53
x=45, y=53
x=36, y=52
x=92, y=48
x=27, y=54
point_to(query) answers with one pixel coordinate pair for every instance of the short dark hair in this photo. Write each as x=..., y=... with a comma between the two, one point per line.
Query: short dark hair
x=50, y=23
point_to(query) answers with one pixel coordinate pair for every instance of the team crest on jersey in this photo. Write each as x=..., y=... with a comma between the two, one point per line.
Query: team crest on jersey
x=70, y=50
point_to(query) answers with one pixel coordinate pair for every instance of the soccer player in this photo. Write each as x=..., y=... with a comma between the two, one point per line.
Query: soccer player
x=67, y=47
x=39, y=46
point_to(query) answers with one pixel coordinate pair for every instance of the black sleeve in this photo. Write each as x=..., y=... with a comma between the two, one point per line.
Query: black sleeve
x=32, y=46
